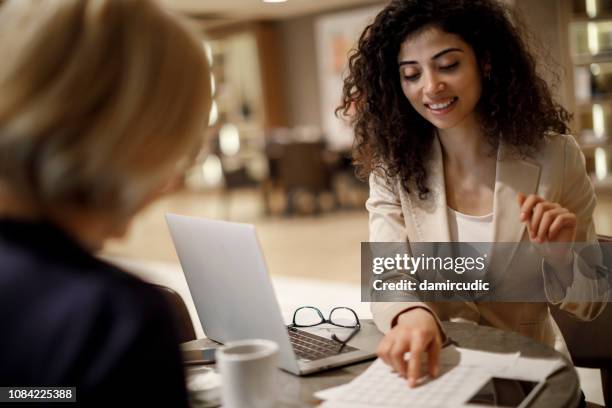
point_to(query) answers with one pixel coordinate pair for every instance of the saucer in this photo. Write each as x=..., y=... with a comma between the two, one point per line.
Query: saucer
x=204, y=387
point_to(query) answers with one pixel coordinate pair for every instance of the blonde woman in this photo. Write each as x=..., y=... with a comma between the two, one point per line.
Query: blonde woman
x=102, y=104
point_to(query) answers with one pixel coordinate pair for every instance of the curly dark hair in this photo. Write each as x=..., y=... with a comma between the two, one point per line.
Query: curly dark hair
x=391, y=137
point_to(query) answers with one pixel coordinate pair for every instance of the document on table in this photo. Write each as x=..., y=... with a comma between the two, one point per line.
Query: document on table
x=463, y=372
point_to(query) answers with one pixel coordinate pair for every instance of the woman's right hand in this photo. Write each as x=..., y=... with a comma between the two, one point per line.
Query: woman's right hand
x=418, y=332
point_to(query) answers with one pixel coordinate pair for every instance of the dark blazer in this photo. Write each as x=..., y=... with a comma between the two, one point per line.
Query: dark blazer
x=69, y=319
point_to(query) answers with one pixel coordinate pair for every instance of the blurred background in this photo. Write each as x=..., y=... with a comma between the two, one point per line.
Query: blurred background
x=277, y=157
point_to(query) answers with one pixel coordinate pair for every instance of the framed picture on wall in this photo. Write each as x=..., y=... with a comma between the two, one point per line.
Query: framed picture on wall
x=336, y=34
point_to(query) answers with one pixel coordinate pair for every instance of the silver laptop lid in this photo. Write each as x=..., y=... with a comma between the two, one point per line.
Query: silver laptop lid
x=229, y=282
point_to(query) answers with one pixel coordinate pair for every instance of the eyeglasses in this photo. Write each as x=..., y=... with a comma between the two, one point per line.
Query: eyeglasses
x=310, y=316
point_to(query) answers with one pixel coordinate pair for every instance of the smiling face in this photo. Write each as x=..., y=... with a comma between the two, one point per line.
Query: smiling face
x=440, y=77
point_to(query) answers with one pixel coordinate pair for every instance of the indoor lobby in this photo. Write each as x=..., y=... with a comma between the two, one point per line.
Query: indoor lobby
x=276, y=156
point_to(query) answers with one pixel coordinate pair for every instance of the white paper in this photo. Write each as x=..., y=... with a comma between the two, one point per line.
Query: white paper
x=490, y=362
x=379, y=386
x=462, y=373
x=533, y=369
x=331, y=393
x=340, y=404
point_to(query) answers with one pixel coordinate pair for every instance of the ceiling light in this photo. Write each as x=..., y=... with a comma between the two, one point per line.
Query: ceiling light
x=214, y=114
x=229, y=139
x=208, y=52
x=593, y=38
x=599, y=124
x=591, y=8
x=274, y=1
x=212, y=171
x=601, y=163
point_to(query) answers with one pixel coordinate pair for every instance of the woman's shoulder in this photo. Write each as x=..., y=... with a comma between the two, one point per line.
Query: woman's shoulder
x=96, y=290
x=560, y=139
x=126, y=295
x=381, y=180
x=557, y=147
x=561, y=160
x=115, y=299
x=554, y=142
x=92, y=305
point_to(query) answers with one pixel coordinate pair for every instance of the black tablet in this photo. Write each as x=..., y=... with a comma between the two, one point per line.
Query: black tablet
x=506, y=392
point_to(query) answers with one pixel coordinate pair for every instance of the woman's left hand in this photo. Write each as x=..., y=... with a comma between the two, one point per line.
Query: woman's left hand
x=549, y=222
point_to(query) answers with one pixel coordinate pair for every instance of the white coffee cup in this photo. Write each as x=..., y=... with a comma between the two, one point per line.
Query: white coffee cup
x=248, y=373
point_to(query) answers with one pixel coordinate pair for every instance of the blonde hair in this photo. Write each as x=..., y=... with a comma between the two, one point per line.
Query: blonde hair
x=99, y=100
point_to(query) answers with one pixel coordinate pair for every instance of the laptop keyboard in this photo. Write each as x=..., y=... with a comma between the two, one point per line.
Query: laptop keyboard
x=308, y=346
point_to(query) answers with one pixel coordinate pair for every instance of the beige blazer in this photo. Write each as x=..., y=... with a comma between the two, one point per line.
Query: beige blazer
x=557, y=173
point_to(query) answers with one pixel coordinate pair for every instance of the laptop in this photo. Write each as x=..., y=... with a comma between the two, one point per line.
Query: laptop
x=233, y=295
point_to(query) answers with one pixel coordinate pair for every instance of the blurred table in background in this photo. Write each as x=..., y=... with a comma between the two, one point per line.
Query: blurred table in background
x=309, y=178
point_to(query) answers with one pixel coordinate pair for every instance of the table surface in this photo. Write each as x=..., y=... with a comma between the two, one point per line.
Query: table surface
x=561, y=390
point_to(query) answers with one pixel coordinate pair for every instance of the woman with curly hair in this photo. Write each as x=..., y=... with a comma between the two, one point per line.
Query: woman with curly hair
x=462, y=141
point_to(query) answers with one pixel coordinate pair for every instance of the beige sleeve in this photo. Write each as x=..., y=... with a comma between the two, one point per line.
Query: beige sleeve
x=578, y=194
x=588, y=283
x=386, y=220
x=386, y=224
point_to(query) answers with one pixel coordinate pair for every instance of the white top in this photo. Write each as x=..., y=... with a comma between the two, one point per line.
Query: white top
x=470, y=228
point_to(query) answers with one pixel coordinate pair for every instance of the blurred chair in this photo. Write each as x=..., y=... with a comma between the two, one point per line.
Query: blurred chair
x=234, y=179
x=185, y=329
x=301, y=171
x=590, y=343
